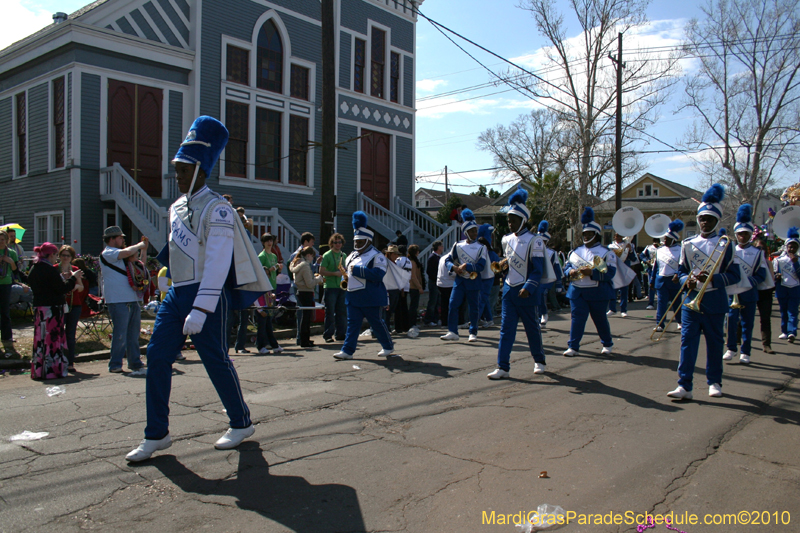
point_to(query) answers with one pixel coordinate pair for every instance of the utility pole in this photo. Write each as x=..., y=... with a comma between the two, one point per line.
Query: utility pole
x=327, y=207
x=446, y=187
x=618, y=140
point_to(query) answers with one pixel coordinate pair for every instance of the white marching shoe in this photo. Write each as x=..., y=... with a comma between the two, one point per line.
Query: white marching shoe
x=342, y=355
x=658, y=328
x=366, y=333
x=623, y=315
x=449, y=336
x=783, y=336
x=386, y=352
x=606, y=350
x=497, y=373
x=715, y=390
x=472, y=338
x=234, y=437
x=147, y=448
x=680, y=393
x=570, y=352
x=744, y=359
x=729, y=355
x=649, y=307
x=539, y=368
x=543, y=321
x=611, y=313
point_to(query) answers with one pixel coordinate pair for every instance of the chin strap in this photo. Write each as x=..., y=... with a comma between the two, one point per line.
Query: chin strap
x=194, y=179
x=521, y=225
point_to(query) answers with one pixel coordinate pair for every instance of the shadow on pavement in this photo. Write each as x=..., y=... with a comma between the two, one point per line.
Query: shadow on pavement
x=289, y=500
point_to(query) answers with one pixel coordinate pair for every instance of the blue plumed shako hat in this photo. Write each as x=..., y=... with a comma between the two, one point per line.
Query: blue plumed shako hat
x=360, y=230
x=469, y=220
x=587, y=219
x=744, y=217
x=711, y=203
x=516, y=204
x=205, y=141
x=792, y=236
x=485, y=231
x=542, y=230
x=675, y=227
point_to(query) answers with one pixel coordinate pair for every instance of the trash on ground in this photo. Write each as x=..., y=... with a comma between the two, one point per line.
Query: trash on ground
x=55, y=391
x=29, y=435
x=546, y=516
x=543, y=475
x=356, y=367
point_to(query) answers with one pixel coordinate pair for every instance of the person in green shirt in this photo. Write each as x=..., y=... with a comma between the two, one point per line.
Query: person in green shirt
x=271, y=266
x=8, y=264
x=335, y=309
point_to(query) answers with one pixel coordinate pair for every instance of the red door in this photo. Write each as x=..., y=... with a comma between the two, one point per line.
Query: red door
x=134, y=132
x=376, y=180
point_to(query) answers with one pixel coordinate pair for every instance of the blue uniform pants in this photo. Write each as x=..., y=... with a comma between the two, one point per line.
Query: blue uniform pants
x=788, y=307
x=651, y=291
x=355, y=316
x=541, y=308
x=622, y=296
x=693, y=325
x=581, y=309
x=747, y=315
x=486, y=298
x=666, y=294
x=513, y=311
x=456, y=299
x=212, y=346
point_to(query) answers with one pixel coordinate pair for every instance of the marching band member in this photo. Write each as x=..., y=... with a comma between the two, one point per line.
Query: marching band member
x=623, y=258
x=753, y=263
x=648, y=256
x=487, y=275
x=665, y=269
x=366, y=293
x=525, y=253
x=709, y=321
x=590, y=290
x=765, y=293
x=787, y=290
x=553, y=285
x=214, y=268
x=466, y=257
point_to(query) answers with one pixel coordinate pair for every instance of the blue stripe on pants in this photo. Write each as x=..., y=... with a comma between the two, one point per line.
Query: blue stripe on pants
x=456, y=298
x=693, y=325
x=212, y=346
x=513, y=311
x=355, y=316
x=747, y=316
x=581, y=309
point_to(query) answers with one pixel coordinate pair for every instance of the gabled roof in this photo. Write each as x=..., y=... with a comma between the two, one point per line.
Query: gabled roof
x=681, y=191
x=470, y=200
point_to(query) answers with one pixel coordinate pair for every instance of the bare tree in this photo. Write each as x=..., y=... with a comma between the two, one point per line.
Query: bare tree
x=583, y=89
x=745, y=93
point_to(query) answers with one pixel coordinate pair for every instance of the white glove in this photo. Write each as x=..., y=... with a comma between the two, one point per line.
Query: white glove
x=559, y=290
x=194, y=322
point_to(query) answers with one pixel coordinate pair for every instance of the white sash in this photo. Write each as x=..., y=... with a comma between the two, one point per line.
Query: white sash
x=549, y=274
x=743, y=285
x=788, y=275
x=465, y=258
x=668, y=265
x=623, y=276
x=355, y=259
x=578, y=263
x=769, y=280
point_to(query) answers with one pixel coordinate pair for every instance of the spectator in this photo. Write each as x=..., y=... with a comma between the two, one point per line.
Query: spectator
x=8, y=265
x=66, y=256
x=432, y=269
x=394, y=282
x=122, y=301
x=402, y=320
x=248, y=224
x=455, y=214
x=445, y=279
x=416, y=286
x=271, y=266
x=22, y=264
x=401, y=239
x=335, y=308
x=307, y=239
x=49, y=358
x=306, y=283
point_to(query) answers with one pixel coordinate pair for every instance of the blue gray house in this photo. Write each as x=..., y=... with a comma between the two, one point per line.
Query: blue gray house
x=93, y=107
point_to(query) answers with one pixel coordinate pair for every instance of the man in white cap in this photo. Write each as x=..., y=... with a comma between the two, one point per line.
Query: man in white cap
x=213, y=269
x=590, y=290
x=710, y=320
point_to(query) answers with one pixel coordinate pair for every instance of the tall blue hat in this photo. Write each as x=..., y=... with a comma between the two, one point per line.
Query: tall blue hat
x=469, y=220
x=744, y=217
x=722, y=231
x=485, y=231
x=712, y=201
x=205, y=141
x=675, y=227
x=793, y=236
x=516, y=204
x=587, y=219
x=360, y=230
x=542, y=230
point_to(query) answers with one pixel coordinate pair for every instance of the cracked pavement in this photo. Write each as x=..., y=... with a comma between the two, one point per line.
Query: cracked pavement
x=422, y=442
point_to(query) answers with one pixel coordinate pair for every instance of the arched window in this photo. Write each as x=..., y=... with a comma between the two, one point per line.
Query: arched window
x=270, y=58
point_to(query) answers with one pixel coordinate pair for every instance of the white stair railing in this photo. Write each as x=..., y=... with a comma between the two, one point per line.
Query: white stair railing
x=151, y=219
x=426, y=225
x=383, y=220
x=450, y=236
x=288, y=239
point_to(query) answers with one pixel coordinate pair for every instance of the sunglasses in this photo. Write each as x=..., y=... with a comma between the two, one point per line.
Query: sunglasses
x=338, y=242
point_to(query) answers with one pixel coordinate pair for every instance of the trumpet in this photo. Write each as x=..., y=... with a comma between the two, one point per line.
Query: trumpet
x=597, y=264
x=343, y=283
x=499, y=266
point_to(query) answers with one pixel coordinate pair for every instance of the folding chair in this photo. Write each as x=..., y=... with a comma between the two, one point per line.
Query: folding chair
x=95, y=319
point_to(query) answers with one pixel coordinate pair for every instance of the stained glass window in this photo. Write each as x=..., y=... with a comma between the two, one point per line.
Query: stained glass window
x=360, y=63
x=237, y=122
x=298, y=150
x=378, y=62
x=270, y=58
x=268, y=144
x=238, y=65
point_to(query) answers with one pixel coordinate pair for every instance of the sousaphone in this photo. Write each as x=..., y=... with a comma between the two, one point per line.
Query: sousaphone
x=657, y=225
x=628, y=221
x=786, y=218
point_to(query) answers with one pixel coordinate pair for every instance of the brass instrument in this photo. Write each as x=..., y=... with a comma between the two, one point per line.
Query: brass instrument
x=598, y=263
x=694, y=305
x=473, y=275
x=499, y=266
x=343, y=283
x=735, y=304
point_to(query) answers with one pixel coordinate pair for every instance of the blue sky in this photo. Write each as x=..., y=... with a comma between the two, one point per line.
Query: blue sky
x=446, y=134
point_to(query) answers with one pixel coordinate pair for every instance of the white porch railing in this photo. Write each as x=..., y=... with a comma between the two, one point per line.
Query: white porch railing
x=448, y=238
x=288, y=239
x=426, y=225
x=384, y=221
x=151, y=219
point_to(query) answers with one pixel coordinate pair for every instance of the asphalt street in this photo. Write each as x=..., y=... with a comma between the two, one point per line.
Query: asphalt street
x=421, y=442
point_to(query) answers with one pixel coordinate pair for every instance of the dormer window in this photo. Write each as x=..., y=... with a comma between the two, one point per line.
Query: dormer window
x=269, y=67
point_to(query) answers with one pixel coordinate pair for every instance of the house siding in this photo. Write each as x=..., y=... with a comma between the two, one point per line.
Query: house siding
x=355, y=110
x=126, y=27
x=183, y=5
x=92, y=209
x=356, y=13
x=69, y=117
x=347, y=166
x=7, y=140
x=345, y=59
x=176, y=133
x=175, y=19
x=404, y=177
x=162, y=26
x=38, y=126
x=140, y=21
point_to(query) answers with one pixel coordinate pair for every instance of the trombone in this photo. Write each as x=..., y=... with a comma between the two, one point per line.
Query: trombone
x=499, y=266
x=694, y=305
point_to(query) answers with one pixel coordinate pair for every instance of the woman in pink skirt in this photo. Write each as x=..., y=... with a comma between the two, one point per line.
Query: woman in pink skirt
x=49, y=358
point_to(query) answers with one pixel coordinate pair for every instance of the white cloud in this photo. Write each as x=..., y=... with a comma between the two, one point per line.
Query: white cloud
x=19, y=21
x=439, y=107
x=428, y=86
